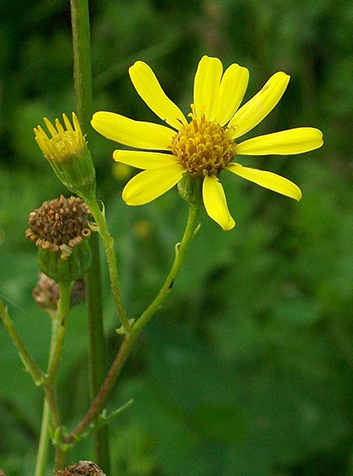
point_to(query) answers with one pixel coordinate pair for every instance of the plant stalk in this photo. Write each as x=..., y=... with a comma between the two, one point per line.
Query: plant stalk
x=83, y=95
x=109, y=248
x=42, y=454
x=97, y=348
x=50, y=409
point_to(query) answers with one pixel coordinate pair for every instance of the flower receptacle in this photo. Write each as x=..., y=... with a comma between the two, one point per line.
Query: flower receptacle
x=190, y=189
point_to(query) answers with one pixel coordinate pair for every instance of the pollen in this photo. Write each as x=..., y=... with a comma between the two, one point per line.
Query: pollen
x=59, y=225
x=203, y=147
x=63, y=143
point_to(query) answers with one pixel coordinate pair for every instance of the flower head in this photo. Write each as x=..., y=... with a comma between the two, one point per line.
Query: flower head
x=67, y=152
x=60, y=229
x=207, y=144
x=59, y=225
x=64, y=143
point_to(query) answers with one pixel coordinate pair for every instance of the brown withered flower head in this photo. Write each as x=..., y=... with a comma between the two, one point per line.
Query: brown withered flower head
x=47, y=295
x=83, y=468
x=59, y=225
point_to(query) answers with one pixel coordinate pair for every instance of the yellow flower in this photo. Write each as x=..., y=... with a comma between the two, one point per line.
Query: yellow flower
x=64, y=143
x=67, y=153
x=208, y=143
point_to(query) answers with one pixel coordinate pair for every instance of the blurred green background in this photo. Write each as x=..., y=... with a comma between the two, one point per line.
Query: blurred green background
x=247, y=370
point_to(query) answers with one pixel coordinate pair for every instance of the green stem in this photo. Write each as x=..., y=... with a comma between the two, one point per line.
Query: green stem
x=145, y=317
x=50, y=405
x=59, y=333
x=43, y=447
x=82, y=60
x=27, y=360
x=97, y=348
x=83, y=90
x=109, y=248
x=128, y=343
x=61, y=327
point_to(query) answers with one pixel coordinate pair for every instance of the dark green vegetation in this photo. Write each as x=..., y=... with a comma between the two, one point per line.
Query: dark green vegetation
x=248, y=368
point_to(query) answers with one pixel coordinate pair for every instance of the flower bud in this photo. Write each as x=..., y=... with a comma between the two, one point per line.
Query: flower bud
x=68, y=154
x=60, y=229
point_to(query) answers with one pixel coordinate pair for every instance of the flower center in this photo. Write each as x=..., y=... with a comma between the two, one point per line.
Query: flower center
x=203, y=147
x=59, y=224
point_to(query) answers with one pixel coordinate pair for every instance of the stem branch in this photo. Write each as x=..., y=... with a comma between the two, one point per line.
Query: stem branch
x=109, y=248
x=27, y=360
x=129, y=340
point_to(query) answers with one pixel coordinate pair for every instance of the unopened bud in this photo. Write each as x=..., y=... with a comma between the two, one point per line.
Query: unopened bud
x=67, y=152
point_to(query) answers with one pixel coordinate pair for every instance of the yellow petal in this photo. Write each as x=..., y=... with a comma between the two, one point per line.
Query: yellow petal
x=144, y=160
x=150, y=184
x=206, y=87
x=255, y=110
x=148, y=87
x=143, y=135
x=215, y=202
x=292, y=141
x=267, y=180
x=231, y=92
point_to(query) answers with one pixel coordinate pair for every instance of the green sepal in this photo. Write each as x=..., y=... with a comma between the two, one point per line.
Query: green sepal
x=190, y=189
x=77, y=173
x=70, y=269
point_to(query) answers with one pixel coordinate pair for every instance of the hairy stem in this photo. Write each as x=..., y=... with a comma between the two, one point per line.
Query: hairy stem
x=27, y=360
x=109, y=248
x=82, y=60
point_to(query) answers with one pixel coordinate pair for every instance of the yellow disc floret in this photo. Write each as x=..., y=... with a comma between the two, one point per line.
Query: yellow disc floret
x=203, y=147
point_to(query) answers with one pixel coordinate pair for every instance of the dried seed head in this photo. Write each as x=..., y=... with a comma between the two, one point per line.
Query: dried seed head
x=59, y=225
x=83, y=468
x=46, y=293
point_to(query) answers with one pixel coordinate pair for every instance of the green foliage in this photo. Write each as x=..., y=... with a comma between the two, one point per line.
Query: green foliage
x=247, y=370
